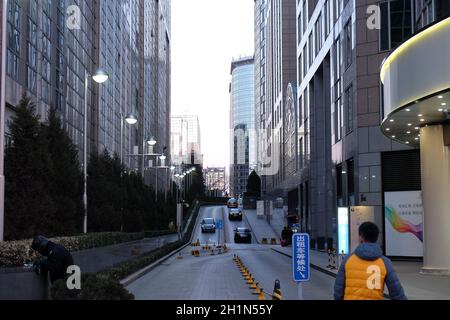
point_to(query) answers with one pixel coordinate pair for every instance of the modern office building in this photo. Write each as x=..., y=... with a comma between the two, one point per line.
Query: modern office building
x=186, y=140
x=215, y=180
x=345, y=163
x=53, y=44
x=275, y=68
x=415, y=79
x=242, y=124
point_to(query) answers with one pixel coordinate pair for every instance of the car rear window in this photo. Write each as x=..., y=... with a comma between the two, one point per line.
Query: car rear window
x=209, y=221
x=243, y=230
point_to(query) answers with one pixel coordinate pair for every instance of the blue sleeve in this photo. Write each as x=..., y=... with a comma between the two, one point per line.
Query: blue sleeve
x=339, y=285
x=393, y=282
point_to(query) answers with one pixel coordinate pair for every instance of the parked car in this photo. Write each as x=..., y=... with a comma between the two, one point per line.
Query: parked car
x=208, y=225
x=232, y=203
x=242, y=235
x=235, y=214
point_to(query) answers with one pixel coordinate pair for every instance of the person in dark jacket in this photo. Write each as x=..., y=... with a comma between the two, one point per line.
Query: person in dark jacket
x=57, y=260
x=364, y=273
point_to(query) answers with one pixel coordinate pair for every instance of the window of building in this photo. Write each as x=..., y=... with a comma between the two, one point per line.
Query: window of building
x=351, y=182
x=304, y=16
x=396, y=23
x=348, y=44
x=337, y=9
x=12, y=65
x=349, y=109
x=442, y=9
x=305, y=61
x=299, y=28
x=311, y=49
x=318, y=33
x=339, y=189
x=300, y=71
x=327, y=17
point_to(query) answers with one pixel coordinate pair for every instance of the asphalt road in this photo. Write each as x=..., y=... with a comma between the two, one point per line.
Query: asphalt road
x=216, y=277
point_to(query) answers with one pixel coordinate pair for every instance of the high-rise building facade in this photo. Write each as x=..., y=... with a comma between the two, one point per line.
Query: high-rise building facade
x=186, y=140
x=344, y=160
x=47, y=57
x=275, y=68
x=53, y=44
x=215, y=180
x=242, y=124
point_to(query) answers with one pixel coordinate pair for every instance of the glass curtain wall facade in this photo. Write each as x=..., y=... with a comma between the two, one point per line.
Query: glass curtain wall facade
x=242, y=124
x=48, y=60
x=275, y=68
x=48, y=56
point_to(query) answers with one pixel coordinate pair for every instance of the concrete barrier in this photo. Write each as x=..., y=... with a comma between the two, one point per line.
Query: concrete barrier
x=22, y=284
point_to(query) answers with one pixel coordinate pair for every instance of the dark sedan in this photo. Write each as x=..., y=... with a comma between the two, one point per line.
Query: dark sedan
x=235, y=214
x=242, y=235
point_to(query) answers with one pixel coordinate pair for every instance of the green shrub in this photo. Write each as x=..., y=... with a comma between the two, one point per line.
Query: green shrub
x=93, y=287
x=127, y=268
x=16, y=253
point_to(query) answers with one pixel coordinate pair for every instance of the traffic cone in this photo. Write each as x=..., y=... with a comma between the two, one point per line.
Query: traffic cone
x=277, y=291
x=251, y=281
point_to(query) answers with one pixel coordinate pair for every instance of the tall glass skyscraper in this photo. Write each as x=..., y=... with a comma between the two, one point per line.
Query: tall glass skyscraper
x=242, y=123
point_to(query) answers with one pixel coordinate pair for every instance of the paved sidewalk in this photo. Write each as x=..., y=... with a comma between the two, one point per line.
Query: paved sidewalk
x=97, y=259
x=417, y=286
x=260, y=227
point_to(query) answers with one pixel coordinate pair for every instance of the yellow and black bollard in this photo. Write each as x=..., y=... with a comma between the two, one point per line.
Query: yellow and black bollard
x=277, y=291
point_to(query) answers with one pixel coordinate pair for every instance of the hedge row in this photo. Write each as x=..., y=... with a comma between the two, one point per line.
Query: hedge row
x=105, y=285
x=16, y=253
x=125, y=269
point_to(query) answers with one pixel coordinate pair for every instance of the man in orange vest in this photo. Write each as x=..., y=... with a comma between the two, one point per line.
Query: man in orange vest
x=364, y=273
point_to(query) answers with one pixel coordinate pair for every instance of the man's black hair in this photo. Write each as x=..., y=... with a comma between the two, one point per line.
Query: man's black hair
x=369, y=232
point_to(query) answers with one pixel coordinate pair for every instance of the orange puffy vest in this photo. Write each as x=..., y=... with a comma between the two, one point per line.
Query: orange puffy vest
x=364, y=279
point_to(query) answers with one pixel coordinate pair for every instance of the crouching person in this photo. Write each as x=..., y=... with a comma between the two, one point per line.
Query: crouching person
x=57, y=258
x=364, y=273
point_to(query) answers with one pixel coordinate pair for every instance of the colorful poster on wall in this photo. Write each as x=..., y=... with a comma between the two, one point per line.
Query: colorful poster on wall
x=403, y=214
x=359, y=215
x=343, y=232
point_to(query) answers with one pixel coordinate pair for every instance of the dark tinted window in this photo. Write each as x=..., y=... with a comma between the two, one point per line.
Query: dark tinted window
x=442, y=9
x=401, y=27
x=209, y=221
x=384, y=32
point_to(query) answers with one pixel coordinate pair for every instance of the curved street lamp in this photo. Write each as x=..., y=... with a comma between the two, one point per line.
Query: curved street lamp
x=99, y=76
x=131, y=119
x=152, y=141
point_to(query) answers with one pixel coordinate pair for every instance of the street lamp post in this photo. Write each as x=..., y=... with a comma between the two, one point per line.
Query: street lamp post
x=2, y=117
x=131, y=120
x=100, y=76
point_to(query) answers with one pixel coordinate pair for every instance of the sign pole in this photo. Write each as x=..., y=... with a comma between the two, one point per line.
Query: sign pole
x=301, y=261
x=300, y=291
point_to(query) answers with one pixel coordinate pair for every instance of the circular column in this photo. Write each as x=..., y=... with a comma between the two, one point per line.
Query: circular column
x=435, y=159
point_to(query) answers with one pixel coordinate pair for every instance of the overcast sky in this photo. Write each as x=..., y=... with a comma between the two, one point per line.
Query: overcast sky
x=206, y=35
